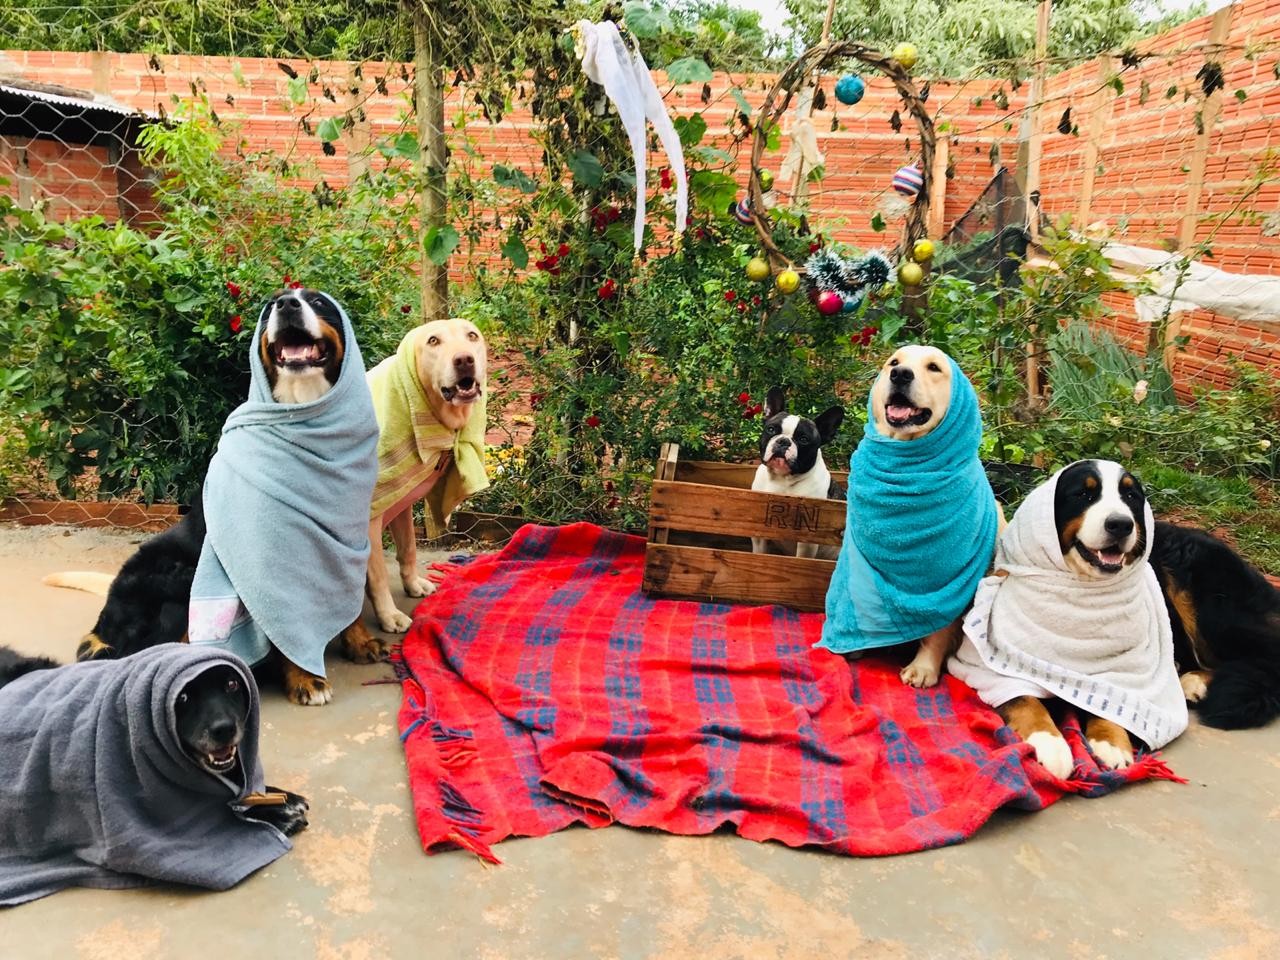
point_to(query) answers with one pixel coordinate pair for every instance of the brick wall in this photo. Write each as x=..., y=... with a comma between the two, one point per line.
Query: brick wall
x=1138, y=143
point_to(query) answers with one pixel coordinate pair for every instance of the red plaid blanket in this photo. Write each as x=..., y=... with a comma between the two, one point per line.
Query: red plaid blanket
x=543, y=688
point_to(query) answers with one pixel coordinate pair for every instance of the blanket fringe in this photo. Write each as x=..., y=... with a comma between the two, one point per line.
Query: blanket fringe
x=1152, y=765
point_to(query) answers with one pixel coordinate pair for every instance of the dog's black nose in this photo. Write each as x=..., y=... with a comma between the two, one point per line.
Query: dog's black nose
x=1118, y=525
x=901, y=375
x=464, y=363
x=222, y=732
x=288, y=305
x=781, y=443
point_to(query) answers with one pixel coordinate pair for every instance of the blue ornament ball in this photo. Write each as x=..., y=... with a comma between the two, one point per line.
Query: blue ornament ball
x=850, y=88
x=742, y=212
x=851, y=302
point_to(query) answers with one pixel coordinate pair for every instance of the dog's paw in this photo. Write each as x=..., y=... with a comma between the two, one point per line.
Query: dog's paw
x=289, y=817
x=1111, y=756
x=919, y=675
x=308, y=691
x=395, y=621
x=1194, y=686
x=92, y=648
x=1053, y=753
x=364, y=647
x=418, y=587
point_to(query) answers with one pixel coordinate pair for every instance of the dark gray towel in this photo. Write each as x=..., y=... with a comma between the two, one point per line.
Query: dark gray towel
x=96, y=791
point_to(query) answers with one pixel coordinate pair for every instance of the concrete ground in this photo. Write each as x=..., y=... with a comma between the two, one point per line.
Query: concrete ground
x=1157, y=870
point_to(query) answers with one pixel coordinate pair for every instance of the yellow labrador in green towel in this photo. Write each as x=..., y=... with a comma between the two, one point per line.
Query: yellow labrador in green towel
x=429, y=397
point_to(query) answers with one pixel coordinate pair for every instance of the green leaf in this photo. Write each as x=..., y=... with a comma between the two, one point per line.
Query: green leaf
x=744, y=105
x=689, y=70
x=513, y=177
x=1241, y=96
x=440, y=242
x=645, y=21
x=773, y=137
x=586, y=169
x=515, y=251
x=329, y=130
x=877, y=223
x=691, y=129
x=1116, y=84
x=298, y=90
x=714, y=191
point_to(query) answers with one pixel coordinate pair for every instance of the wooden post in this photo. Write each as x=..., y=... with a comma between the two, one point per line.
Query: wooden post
x=428, y=87
x=358, y=136
x=1100, y=107
x=937, y=221
x=1210, y=110
x=1029, y=140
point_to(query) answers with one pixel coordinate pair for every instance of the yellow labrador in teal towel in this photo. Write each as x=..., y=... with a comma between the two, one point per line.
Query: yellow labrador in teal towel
x=922, y=519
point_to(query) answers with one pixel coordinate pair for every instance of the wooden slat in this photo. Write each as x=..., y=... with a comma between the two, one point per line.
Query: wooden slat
x=1100, y=110
x=737, y=475
x=668, y=462
x=745, y=513
x=938, y=189
x=723, y=575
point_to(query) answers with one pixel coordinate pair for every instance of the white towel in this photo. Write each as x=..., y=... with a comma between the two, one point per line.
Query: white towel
x=627, y=82
x=1104, y=645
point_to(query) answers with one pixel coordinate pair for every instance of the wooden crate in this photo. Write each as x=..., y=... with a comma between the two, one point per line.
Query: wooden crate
x=701, y=518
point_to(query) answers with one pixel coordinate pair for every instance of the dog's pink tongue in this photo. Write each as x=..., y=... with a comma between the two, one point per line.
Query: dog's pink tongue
x=896, y=412
x=1110, y=556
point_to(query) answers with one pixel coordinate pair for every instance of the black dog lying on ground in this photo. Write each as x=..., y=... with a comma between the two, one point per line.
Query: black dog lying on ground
x=1226, y=627
x=211, y=713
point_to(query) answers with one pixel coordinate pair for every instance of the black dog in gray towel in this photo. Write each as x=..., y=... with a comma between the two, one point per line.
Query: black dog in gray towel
x=122, y=773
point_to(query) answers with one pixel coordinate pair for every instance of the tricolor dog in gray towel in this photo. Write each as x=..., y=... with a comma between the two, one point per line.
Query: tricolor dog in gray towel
x=105, y=783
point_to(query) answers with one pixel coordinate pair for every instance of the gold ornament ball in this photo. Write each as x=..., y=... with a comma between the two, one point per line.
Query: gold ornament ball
x=788, y=281
x=906, y=54
x=911, y=274
x=922, y=251
x=758, y=269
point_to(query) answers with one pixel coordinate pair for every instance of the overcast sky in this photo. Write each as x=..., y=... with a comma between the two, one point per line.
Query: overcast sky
x=774, y=12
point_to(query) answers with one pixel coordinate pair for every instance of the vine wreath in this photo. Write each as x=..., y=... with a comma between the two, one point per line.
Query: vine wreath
x=778, y=100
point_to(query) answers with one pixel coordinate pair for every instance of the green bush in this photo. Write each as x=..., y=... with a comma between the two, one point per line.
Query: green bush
x=124, y=351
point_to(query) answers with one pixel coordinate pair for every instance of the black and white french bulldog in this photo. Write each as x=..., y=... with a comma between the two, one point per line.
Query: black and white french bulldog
x=791, y=464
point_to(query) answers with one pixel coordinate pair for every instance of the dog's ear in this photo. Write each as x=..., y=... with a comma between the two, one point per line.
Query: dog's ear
x=828, y=422
x=775, y=402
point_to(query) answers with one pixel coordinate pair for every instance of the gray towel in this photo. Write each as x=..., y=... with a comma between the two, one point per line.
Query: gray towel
x=96, y=791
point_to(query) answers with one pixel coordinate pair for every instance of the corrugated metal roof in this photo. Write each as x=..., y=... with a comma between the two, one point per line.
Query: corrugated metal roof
x=93, y=102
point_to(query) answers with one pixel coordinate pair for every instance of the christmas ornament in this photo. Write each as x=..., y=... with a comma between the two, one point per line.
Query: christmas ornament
x=922, y=251
x=908, y=181
x=906, y=54
x=911, y=274
x=788, y=281
x=741, y=211
x=758, y=269
x=849, y=89
x=830, y=302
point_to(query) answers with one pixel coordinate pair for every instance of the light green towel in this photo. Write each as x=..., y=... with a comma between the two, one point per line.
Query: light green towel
x=412, y=440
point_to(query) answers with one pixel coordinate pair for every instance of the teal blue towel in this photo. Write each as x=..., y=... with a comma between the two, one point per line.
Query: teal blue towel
x=920, y=534
x=286, y=503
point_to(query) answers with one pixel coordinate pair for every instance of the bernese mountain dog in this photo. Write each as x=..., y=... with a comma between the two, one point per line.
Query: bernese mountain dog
x=1224, y=614
x=301, y=346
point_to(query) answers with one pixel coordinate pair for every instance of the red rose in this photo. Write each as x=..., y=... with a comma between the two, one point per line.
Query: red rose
x=592, y=421
x=535, y=399
x=814, y=246
x=542, y=247
x=233, y=288
x=757, y=409
x=562, y=250
x=235, y=323
x=755, y=301
x=744, y=397
x=287, y=280
x=614, y=213
x=742, y=306
x=664, y=178
x=607, y=290
x=613, y=503
x=730, y=296
x=554, y=271
x=699, y=234
x=405, y=308
x=746, y=413
x=295, y=285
